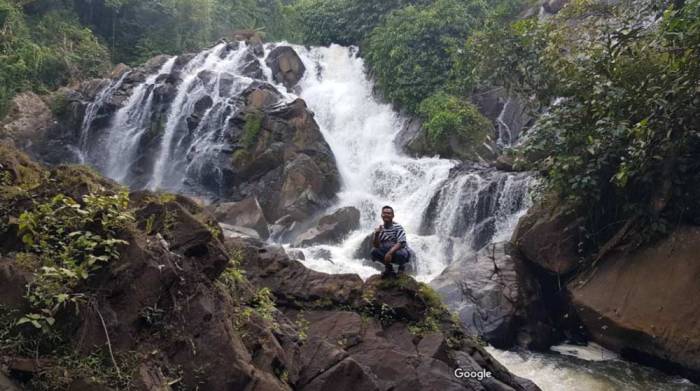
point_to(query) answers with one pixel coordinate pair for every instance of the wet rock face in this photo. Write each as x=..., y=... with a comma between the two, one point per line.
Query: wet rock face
x=644, y=304
x=549, y=237
x=246, y=213
x=484, y=290
x=331, y=228
x=287, y=67
x=287, y=164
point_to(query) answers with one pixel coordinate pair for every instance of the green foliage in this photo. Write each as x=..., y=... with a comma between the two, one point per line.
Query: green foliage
x=70, y=241
x=251, y=129
x=514, y=55
x=233, y=276
x=621, y=143
x=264, y=303
x=410, y=54
x=302, y=326
x=96, y=367
x=44, y=51
x=344, y=22
x=271, y=18
x=450, y=120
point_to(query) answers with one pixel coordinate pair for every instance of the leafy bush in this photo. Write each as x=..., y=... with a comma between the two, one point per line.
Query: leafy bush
x=51, y=50
x=450, y=120
x=344, y=22
x=69, y=241
x=621, y=142
x=251, y=129
x=410, y=54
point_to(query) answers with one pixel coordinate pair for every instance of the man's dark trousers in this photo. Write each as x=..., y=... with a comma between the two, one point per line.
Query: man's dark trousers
x=400, y=257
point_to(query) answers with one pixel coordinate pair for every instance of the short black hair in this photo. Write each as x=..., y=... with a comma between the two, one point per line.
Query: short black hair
x=388, y=207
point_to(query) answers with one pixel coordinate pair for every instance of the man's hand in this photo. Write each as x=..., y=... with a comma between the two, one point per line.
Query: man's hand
x=379, y=229
x=388, y=257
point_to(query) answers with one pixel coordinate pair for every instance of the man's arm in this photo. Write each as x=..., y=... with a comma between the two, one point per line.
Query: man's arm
x=375, y=239
x=400, y=243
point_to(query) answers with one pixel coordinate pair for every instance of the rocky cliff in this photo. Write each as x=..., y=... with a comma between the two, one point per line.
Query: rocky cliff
x=208, y=124
x=638, y=302
x=159, y=299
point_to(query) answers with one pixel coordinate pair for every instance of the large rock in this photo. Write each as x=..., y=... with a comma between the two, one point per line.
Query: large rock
x=549, y=236
x=246, y=213
x=284, y=161
x=554, y=6
x=287, y=68
x=360, y=334
x=27, y=120
x=645, y=304
x=454, y=146
x=331, y=228
x=484, y=290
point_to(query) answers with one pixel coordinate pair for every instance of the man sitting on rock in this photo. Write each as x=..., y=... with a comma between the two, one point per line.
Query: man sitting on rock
x=389, y=244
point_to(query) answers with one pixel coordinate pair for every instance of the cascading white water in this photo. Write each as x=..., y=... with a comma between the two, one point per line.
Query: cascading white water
x=587, y=368
x=91, y=112
x=361, y=131
x=129, y=124
x=168, y=166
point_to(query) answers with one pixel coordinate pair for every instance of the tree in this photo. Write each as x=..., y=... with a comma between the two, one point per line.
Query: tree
x=410, y=53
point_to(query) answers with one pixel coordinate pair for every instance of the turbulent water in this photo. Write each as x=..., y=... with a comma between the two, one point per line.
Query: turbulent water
x=590, y=368
x=448, y=210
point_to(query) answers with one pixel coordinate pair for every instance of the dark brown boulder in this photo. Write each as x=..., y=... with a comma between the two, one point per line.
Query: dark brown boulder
x=346, y=375
x=331, y=228
x=361, y=334
x=284, y=161
x=287, y=68
x=290, y=281
x=554, y=6
x=644, y=304
x=27, y=120
x=549, y=236
x=246, y=213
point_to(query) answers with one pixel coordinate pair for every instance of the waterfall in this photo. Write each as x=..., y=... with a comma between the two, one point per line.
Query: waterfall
x=446, y=210
x=194, y=87
x=91, y=112
x=170, y=134
x=129, y=124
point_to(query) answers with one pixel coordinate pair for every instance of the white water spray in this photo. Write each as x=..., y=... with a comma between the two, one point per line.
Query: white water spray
x=129, y=124
x=91, y=112
x=361, y=131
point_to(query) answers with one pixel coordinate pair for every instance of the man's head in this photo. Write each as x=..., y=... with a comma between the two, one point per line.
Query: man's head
x=387, y=214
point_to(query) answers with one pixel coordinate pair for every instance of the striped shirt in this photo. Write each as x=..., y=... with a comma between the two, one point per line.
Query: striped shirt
x=394, y=234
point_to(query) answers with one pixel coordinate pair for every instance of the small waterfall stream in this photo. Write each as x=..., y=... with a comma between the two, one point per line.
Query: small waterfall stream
x=129, y=124
x=448, y=209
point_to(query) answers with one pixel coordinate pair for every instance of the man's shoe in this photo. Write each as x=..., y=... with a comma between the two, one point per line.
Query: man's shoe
x=402, y=269
x=388, y=272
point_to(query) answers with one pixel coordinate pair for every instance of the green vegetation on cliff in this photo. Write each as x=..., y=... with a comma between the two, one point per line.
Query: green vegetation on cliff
x=454, y=127
x=415, y=52
x=619, y=141
x=44, y=51
x=47, y=43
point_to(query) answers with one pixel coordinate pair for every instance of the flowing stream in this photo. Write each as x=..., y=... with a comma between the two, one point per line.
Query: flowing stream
x=449, y=210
